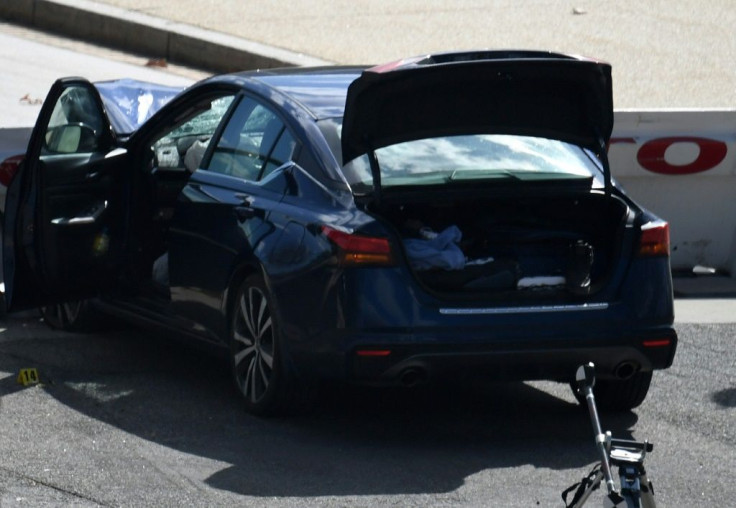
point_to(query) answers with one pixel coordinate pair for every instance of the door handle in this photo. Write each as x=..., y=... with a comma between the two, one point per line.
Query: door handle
x=244, y=213
x=88, y=217
x=245, y=199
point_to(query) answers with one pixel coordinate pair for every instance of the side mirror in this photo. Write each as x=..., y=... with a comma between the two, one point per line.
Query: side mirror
x=71, y=138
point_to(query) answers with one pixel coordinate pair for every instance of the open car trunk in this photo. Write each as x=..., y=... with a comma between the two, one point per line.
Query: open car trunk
x=532, y=247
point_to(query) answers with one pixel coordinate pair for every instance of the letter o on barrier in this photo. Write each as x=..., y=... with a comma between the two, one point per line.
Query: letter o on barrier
x=651, y=155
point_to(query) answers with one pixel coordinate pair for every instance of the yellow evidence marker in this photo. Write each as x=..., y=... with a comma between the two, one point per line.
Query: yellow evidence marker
x=28, y=377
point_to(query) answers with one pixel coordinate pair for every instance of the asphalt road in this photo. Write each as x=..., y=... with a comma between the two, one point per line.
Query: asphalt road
x=126, y=418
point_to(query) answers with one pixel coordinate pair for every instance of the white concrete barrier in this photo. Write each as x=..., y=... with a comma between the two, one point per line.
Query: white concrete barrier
x=679, y=164
x=682, y=166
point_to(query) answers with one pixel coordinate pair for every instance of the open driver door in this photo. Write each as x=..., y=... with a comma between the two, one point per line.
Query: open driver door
x=64, y=233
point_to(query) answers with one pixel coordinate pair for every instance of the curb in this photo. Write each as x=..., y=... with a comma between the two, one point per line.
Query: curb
x=148, y=35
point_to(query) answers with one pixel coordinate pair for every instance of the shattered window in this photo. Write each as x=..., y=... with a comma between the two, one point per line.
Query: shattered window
x=184, y=146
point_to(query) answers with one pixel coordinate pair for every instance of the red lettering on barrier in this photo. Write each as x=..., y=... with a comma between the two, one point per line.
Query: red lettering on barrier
x=651, y=155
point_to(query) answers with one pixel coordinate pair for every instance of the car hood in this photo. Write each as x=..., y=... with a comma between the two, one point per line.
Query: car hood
x=491, y=92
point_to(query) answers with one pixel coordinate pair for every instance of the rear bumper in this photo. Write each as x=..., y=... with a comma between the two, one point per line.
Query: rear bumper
x=425, y=337
x=405, y=364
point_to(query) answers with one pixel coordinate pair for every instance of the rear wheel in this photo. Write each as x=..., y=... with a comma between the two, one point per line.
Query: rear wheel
x=74, y=316
x=258, y=367
x=623, y=394
x=619, y=394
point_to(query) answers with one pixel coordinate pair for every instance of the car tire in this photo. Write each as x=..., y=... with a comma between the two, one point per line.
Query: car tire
x=618, y=394
x=258, y=366
x=623, y=394
x=74, y=316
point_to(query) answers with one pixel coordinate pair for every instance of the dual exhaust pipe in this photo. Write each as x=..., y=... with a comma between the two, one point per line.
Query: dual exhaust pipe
x=418, y=375
x=413, y=376
x=626, y=370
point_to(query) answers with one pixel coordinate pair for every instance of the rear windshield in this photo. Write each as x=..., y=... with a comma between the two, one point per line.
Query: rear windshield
x=468, y=158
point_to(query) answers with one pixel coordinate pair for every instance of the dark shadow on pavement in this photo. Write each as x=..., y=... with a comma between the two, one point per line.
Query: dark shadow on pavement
x=356, y=441
x=725, y=398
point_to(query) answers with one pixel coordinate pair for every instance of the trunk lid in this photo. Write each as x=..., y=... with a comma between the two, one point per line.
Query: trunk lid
x=525, y=93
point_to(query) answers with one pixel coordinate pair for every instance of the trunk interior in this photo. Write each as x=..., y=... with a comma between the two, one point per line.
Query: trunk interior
x=554, y=249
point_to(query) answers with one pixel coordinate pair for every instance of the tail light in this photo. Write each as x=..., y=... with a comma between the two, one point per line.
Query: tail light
x=655, y=239
x=373, y=353
x=8, y=168
x=358, y=250
x=657, y=343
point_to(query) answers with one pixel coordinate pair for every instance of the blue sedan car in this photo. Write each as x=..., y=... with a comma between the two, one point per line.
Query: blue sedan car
x=442, y=215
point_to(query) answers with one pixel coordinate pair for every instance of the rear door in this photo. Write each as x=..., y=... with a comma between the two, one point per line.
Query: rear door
x=63, y=231
x=227, y=215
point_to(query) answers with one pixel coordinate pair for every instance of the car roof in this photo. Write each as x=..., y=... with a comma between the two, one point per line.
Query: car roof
x=320, y=90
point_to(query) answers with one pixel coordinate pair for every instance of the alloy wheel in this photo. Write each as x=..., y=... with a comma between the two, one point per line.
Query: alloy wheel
x=63, y=316
x=253, y=344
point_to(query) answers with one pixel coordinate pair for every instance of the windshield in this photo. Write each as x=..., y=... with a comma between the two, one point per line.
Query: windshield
x=469, y=158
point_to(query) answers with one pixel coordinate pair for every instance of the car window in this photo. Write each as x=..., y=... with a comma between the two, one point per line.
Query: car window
x=281, y=153
x=76, y=123
x=253, y=144
x=480, y=157
x=184, y=145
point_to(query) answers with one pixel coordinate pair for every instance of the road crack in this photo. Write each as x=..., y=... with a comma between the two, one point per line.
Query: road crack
x=57, y=488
